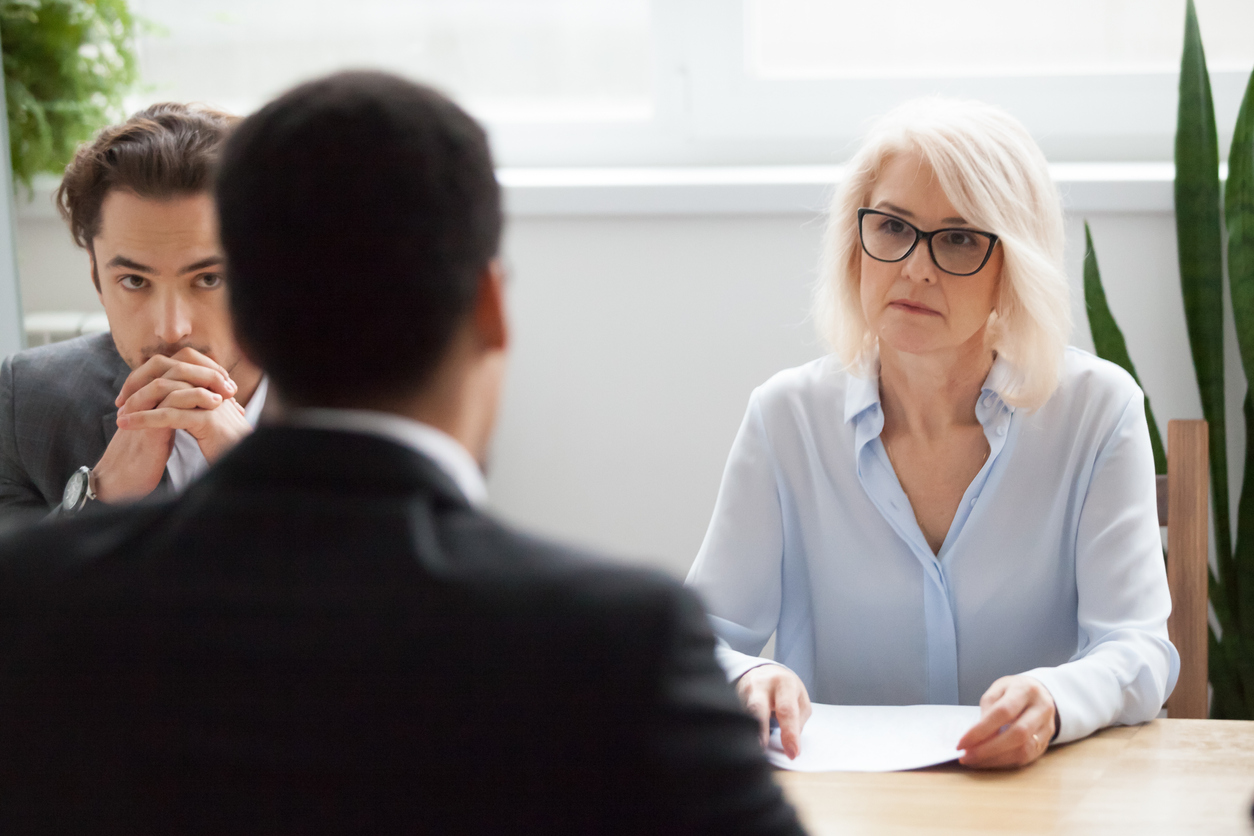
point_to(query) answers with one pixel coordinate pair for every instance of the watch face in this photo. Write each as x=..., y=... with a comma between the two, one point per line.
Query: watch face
x=74, y=490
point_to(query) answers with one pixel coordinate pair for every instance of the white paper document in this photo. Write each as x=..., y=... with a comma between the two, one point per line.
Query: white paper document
x=877, y=738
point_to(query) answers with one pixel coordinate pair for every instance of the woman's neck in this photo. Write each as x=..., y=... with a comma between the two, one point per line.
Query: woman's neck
x=926, y=395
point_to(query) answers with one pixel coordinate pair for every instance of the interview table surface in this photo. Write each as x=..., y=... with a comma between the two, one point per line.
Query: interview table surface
x=1165, y=777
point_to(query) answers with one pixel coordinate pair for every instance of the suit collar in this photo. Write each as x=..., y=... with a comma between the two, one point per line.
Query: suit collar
x=447, y=452
x=109, y=420
x=345, y=462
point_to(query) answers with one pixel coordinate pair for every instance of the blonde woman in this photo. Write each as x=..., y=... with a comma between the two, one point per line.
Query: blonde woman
x=954, y=507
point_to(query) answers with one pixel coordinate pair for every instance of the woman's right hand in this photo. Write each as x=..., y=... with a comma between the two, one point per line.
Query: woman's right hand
x=774, y=690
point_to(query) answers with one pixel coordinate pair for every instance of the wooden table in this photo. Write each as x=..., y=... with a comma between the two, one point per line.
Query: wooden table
x=1166, y=777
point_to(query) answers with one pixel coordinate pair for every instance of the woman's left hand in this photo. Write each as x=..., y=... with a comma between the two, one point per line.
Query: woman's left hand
x=1016, y=724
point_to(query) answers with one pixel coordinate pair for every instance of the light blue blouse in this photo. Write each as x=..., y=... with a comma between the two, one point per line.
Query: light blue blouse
x=1052, y=566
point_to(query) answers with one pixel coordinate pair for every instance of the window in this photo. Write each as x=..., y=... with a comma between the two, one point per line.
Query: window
x=720, y=82
x=792, y=39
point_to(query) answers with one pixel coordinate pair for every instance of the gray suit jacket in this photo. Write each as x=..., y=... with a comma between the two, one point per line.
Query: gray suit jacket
x=56, y=415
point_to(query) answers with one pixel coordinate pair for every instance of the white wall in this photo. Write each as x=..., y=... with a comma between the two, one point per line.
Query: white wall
x=54, y=273
x=637, y=340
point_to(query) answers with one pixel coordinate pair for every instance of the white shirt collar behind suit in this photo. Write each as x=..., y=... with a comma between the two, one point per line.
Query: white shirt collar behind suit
x=447, y=452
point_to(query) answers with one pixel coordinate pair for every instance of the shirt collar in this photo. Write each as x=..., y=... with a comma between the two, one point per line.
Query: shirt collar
x=862, y=393
x=992, y=394
x=252, y=412
x=447, y=452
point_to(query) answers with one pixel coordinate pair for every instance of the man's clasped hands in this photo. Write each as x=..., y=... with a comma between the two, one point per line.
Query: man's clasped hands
x=184, y=391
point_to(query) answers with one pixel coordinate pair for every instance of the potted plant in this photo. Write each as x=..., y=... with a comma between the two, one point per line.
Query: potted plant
x=67, y=65
x=1201, y=218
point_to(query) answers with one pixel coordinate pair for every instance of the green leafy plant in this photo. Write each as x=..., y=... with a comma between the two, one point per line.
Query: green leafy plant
x=67, y=65
x=1200, y=220
x=1108, y=339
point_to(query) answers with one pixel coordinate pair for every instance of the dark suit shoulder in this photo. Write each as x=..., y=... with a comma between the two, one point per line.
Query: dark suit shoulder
x=479, y=542
x=646, y=642
x=630, y=620
x=385, y=647
x=39, y=555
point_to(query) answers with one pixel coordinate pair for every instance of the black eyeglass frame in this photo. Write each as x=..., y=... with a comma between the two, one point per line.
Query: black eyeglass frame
x=920, y=235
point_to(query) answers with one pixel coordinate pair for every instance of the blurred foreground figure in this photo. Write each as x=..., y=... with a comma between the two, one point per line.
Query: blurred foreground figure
x=327, y=633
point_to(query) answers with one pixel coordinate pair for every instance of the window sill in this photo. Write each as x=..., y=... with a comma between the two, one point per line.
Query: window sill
x=761, y=190
x=784, y=190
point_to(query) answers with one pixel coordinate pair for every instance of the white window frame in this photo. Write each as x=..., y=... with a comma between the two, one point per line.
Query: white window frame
x=710, y=110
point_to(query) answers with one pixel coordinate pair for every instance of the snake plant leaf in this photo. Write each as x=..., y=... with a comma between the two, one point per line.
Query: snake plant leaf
x=1109, y=342
x=1199, y=240
x=1239, y=218
x=1238, y=631
x=1226, y=697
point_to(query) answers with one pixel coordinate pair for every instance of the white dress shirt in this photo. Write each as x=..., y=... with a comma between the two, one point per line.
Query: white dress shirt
x=186, y=462
x=1052, y=567
x=447, y=452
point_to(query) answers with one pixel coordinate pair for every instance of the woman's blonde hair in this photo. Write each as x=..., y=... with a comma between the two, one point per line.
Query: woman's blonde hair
x=997, y=178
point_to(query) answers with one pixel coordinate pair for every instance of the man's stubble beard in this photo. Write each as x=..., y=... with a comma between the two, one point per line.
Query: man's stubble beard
x=170, y=349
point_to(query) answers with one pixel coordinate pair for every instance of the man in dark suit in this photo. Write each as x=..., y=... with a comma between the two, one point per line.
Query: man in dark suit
x=327, y=633
x=138, y=199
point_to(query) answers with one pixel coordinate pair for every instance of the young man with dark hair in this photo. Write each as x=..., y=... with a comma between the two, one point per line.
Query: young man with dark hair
x=328, y=633
x=138, y=200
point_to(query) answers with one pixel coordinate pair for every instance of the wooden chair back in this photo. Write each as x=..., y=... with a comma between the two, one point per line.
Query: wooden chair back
x=1184, y=507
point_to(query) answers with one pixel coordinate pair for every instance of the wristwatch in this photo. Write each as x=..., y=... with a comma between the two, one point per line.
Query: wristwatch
x=78, y=491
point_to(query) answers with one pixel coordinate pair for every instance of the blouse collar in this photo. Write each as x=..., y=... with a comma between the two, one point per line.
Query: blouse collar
x=862, y=393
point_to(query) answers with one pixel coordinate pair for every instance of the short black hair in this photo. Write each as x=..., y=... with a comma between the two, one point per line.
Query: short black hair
x=358, y=214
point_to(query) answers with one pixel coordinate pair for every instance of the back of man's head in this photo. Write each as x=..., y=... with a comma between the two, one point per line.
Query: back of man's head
x=358, y=215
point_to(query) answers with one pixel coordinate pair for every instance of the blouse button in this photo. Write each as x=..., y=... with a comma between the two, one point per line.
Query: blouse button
x=1001, y=429
x=988, y=400
x=973, y=502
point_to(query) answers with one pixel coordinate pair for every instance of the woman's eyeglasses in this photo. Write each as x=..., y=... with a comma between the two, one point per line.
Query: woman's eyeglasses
x=957, y=251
